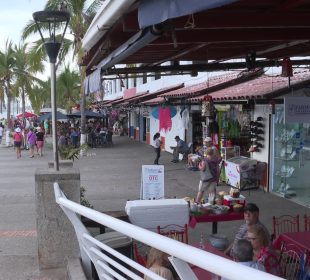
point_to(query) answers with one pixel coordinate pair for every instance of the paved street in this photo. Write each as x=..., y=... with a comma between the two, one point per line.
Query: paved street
x=111, y=176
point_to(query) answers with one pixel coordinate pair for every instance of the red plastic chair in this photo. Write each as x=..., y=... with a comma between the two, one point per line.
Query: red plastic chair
x=176, y=232
x=307, y=222
x=285, y=223
x=138, y=257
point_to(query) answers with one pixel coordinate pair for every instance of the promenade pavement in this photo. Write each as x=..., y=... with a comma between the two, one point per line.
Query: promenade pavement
x=111, y=176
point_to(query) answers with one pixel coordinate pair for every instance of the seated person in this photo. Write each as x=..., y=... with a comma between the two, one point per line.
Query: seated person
x=263, y=251
x=193, y=159
x=103, y=135
x=157, y=261
x=180, y=148
x=251, y=217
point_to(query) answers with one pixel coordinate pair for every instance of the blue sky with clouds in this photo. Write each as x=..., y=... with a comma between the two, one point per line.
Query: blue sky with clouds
x=14, y=15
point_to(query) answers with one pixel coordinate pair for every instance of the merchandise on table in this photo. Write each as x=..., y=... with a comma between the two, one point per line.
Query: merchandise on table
x=231, y=201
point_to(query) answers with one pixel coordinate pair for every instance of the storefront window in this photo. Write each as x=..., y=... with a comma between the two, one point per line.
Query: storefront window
x=291, y=156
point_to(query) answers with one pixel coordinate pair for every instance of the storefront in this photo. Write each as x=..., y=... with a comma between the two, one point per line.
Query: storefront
x=291, y=150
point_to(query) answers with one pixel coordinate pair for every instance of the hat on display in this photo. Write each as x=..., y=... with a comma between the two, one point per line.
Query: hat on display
x=17, y=129
x=207, y=139
x=251, y=207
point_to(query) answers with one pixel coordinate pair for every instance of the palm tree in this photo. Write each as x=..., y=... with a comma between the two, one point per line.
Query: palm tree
x=2, y=103
x=24, y=70
x=68, y=88
x=7, y=63
x=40, y=96
x=78, y=25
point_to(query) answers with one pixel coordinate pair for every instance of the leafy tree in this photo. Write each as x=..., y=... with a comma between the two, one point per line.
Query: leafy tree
x=7, y=63
x=79, y=22
x=25, y=69
x=40, y=96
x=68, y=88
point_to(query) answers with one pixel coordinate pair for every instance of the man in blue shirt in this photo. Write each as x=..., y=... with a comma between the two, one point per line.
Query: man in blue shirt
x=181, y=148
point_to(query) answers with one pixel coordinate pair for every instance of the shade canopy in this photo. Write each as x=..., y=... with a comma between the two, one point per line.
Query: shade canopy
x=88, y=114
x=27, y=115
x=59, y=116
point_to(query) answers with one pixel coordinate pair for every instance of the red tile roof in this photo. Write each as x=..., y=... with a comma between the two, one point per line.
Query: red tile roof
x=201, y=87
x=151, y=95
x=256, y=88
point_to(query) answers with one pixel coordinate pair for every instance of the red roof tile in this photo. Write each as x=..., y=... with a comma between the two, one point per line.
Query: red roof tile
x=256, y=88
x=199, y=88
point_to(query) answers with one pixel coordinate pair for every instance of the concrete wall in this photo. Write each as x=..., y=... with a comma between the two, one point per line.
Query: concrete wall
x=56, y=237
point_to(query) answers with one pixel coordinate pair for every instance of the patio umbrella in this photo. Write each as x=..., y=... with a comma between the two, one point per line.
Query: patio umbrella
x=60, y=116
x=88, y=114
x=27, y=115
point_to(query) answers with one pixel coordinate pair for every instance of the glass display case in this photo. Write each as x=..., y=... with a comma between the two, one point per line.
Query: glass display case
x=229, y=152
x=291, y=161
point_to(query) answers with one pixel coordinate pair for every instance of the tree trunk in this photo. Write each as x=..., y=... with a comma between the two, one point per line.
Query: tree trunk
x=9, y=100
x=23, y=106
x=82, y=109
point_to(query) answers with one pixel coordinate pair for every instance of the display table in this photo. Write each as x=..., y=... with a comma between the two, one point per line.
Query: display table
x=214, y=219
x=299, y=241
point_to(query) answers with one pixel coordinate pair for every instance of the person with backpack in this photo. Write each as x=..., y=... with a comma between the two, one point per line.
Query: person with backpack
x=18, y=140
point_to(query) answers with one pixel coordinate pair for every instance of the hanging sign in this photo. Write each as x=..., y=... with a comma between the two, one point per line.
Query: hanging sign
x=152, y=182
x=296, y=109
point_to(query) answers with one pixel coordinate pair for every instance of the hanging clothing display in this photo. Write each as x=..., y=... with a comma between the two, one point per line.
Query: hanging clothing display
x=184, y=115
x=207, y=107
x=165, y=122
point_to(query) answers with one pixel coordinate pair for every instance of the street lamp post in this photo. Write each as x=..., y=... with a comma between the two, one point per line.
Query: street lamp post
x=50, y=21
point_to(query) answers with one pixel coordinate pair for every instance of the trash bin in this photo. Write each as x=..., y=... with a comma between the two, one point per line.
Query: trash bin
x=118, y=241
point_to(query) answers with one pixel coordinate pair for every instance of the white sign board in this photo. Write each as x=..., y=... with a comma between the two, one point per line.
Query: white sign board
x=296, y=109
x=152, y=182
x=232, y=174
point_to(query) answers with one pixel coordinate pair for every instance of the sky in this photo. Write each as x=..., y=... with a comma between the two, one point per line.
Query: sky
x=14, y=15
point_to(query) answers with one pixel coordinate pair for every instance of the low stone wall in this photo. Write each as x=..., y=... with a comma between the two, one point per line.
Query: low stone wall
x=75, y=270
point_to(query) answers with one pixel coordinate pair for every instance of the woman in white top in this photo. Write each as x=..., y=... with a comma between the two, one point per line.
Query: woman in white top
x=156, y=144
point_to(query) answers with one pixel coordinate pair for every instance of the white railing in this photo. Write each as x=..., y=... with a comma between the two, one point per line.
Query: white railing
x=92, y=250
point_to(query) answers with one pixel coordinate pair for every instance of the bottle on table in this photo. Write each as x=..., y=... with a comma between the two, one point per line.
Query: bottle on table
x=202, y=242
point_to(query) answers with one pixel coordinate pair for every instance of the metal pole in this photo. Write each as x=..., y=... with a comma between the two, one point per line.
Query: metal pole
x=54, y=116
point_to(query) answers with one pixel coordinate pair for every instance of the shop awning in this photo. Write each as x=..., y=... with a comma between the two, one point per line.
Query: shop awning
x=152, y=12
x=92, y=82
x=135, y=43
x=261, y=87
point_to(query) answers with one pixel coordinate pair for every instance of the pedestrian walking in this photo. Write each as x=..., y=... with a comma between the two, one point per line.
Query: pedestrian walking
x=156, y=144
x=31, y=140
x=18, y=140
x=1, y=132
x=40, y=141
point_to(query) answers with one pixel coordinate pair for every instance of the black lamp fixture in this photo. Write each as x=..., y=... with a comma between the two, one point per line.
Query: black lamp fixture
x=52, y=21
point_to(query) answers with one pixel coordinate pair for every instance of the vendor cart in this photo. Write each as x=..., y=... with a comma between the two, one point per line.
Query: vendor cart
x=242, y=173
